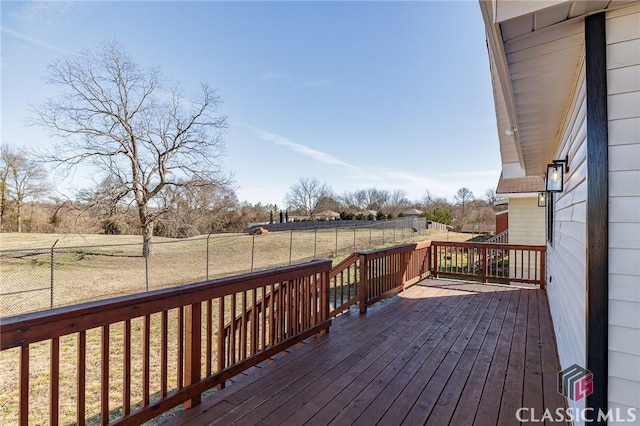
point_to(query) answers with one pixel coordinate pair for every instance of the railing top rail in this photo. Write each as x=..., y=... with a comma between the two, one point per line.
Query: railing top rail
x=396, y=249
x=490, y=245
x=38, y=326
x=349, y=260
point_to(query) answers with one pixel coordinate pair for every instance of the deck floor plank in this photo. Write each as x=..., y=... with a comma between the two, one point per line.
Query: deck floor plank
x=442, y=352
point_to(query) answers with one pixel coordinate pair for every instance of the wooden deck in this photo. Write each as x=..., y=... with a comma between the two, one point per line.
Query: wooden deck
x=442, y=352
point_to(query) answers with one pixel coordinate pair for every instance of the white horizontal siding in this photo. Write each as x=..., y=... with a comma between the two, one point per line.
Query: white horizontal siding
x=566, y=255
x=623, y=81
x=526, y=221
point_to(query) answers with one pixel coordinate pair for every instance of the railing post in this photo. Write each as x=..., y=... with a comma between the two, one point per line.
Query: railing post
x=404, y=264
x=364, y=291
x=193, y=344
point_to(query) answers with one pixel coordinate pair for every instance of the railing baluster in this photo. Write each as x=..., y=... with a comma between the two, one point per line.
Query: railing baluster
x=209, y=344
x=55, y=381
x=255, y=323
x=24, y=385
x=81, y=378
x=263, y=317
x=104, y=373
x=243, y=327
x=126, y=386
x=146, y=353
x=222, y=362
x=164, y=348
x=180, y=344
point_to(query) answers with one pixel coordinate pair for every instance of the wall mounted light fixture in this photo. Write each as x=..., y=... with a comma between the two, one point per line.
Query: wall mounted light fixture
x=542, y=199
x=555, y=175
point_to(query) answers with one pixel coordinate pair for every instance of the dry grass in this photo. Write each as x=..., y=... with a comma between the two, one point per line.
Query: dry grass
x=87, y=274
x=84, y=273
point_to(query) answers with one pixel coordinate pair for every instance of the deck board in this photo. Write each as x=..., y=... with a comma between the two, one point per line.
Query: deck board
x=442, y=352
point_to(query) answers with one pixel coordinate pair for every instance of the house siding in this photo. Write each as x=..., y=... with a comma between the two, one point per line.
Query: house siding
x=566, y=254
x=623, y=93
x=527, y=221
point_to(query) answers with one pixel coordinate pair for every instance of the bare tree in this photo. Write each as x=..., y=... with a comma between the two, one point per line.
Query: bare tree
x=398, y=201
x=490, y=196
x=306, y=194
x=22, y=179
x=123, y=121
x=463, y=197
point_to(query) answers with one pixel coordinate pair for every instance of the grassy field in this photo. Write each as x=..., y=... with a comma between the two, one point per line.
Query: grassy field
x=89, y=267
x=93, y=267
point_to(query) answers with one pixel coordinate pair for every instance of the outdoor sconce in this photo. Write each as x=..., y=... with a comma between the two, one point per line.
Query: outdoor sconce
x=555, y=175
x=542, y=199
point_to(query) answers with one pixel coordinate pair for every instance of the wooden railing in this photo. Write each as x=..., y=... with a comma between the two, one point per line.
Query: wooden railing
x=370, y=276
x=501, y=238
x=488, y=262
x=172, y=345
x=195, y=336
x=344, y=284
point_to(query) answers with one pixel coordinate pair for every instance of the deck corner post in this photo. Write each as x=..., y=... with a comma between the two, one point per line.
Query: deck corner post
x=364, y=293
x=193, y=349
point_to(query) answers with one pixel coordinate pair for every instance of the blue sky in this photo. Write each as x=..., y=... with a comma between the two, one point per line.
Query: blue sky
x=392, y=95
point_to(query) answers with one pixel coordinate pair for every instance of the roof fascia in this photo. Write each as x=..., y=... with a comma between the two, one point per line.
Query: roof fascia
x=496, y=50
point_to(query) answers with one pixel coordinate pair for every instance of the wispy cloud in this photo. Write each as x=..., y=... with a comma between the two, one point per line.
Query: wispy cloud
x=314, y=154
x=323, y=82
x=33, y=40
x=270, y=76
x=31, y=21
x=474, y=173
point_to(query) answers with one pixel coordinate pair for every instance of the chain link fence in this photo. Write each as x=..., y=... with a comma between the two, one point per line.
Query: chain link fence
x=43, y=278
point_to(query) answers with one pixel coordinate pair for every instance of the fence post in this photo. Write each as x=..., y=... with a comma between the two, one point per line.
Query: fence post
x=208, y=236
x=370, y=237
x=146, y=266
x=315, y=242
x=290, y=246
x=384, y=226
x=336, y=253
x=253, y=249
x=364, y=293
x=354, y=239
x=52, y=263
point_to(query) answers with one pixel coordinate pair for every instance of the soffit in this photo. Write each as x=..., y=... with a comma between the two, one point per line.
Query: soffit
x=537, y=45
